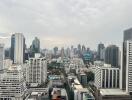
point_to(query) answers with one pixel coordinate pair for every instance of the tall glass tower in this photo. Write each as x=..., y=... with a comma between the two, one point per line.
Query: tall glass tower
x=17, y=48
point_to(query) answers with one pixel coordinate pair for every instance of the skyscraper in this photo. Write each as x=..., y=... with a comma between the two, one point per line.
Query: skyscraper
x=126, y=68
x=1, y=56
x=79, y=48
x=12, y=47
x=35, y=47
x=17, y=48
x=112, y=55
x=83, y=49
x=100, y=49
x=55, y=50
x=7, y=53
x=68, y=51
x=62, y=53
x=128, y=34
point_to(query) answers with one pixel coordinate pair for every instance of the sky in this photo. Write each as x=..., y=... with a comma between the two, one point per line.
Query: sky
x=64, y=23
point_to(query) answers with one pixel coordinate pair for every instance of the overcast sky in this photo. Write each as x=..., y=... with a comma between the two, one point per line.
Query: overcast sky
x=66, y=22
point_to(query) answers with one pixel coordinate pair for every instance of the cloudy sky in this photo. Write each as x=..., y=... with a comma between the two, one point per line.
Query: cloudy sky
x=66, y=22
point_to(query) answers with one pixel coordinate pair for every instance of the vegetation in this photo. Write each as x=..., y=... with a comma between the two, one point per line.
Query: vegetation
x=90, y=76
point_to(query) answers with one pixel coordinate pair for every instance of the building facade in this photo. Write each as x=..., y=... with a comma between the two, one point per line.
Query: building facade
x=12, y=84
x=128, y=34
x=17, y=48
x=112, y=55
x=127, y=67
x=100, y=50
x=36, y=71
x=107, y=77
x=35, y=47
x=1, y=56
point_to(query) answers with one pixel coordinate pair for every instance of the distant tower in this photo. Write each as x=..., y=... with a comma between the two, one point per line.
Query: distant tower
x=100, y=49
x=68, y=52
x=1, y=56
x=35, y=47
x=112, y=55
x=62, y=53
x=17, y=48
x=79, y=50
x=55, y=50
x=83, y=49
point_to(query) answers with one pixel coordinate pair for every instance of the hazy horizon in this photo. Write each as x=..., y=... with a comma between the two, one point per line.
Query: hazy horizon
x=64, y=23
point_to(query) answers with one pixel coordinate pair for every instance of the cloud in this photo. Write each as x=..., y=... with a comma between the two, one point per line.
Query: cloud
x=84, y=21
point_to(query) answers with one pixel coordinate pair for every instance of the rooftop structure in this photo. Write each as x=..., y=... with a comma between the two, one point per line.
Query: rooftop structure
x=59, y=94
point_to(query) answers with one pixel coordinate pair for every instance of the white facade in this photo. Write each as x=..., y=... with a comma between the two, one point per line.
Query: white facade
x=107, y=77
x=36, y=70
x=12, y=84
x=1, y=56
x=19, y=48
x=7, y=63
x=128, y=65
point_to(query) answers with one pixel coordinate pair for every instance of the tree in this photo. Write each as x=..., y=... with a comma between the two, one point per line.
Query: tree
x=90, y=76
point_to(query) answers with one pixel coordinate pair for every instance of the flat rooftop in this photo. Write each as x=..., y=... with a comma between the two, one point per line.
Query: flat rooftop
x=78, y=87
x=112, y=92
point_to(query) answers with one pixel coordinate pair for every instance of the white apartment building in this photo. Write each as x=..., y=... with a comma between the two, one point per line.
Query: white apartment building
x=106, y=77
x=1, y=56
x=12, y=84
x=36, y=70
x=126, y=68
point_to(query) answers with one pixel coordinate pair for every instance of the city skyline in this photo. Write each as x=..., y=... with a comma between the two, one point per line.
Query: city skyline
x=65, y=23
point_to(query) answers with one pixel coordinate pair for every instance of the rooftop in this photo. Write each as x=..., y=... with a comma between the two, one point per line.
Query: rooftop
x=112, y=92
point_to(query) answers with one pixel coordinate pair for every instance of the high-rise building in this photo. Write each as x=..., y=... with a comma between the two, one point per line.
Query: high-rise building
x=100, y=49
x=102, y=54
x=55, y=51
x=79, y=49
x=62, y=53
x=36, y=70
x=35, y=47
x=68, y=51
x=7, y=53
x=127, y=67
x=17, y=48
x=128, y=34
x=12, y=47
x=12, y=84
x=112, y=55
x=1, y=56
x=83, y=49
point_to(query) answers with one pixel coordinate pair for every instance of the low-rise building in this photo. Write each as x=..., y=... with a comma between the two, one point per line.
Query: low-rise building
x=113, y=94
x=82, y=78
x=38, y=94
x=106, y=77
x=77, y=89
x=59, y=94
x=12, y=84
